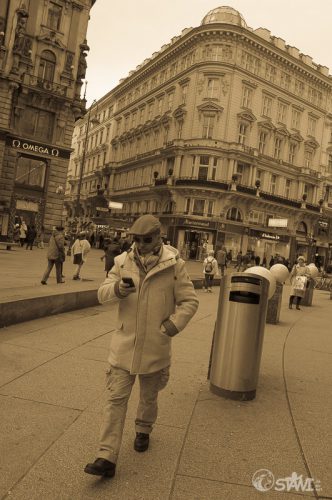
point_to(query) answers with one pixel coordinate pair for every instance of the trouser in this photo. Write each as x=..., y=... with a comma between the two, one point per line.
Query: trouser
x=29, y=245
x=298, y=300
x=222, y=269
x=119, y=384
x=58, y=266
x=208, y=280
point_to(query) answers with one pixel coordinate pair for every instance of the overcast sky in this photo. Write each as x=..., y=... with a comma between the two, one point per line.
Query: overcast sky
x=122, y=33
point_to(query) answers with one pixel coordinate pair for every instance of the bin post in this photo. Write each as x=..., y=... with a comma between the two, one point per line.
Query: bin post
x=309, y=293
x=274, y=305
x=238, y=336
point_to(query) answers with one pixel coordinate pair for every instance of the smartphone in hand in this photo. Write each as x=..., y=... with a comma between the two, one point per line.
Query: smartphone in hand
x=128, y=281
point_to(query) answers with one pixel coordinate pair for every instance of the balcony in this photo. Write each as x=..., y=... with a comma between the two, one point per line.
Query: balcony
x=45, y=85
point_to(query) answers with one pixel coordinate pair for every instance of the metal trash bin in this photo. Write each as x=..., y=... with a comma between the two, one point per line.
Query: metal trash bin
x=238, y=336
x=309, y=293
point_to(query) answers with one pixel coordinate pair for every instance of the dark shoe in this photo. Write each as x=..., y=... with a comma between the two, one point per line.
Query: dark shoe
x=290, y=306
x=43, y=283
x=141, y=442
x=298, y=308
x=62, y=281
x=76, y=278
x=101, y=467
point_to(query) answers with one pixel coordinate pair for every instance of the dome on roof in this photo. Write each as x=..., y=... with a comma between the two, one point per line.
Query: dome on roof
x=226, y=15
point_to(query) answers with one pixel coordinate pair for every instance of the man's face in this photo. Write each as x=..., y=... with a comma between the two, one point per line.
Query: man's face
x=147, y=243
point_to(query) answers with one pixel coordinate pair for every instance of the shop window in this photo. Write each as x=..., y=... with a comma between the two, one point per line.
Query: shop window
x=54, y=16
x=30, y=172
x=47, y=65
x=234, y=214
x=37, y=123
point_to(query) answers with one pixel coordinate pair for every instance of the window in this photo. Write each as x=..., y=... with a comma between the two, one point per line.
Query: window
x=312, y=122
x=170, y=99
x=243, y=128
x=173, y=69
x=54, y=16
x=210, y=208
x=30, y=171
x=267, y=106
x=262, y=142
x=257, y=217
x=282, y=112
x=198, y=208
x=234, y=214
x=285, y=80
x=208, y=126
x=288, y=185
x=213, y=89
x=329, y=163
x=277, y=148
x=150, y=111
x=184, y=94
x=203, y=169
x=314, y=96
x=250, y=62
x=37, y=123
x=160, y=105
x=240, y=168
x=292, y=152
x=273, y=184
x=134, y=119
x=47, y=64
x=299, y=87
x=247, y=93
x=296, y=118
x=270, y=72
x=187, y=206
x=214, y=168
x=308, y=156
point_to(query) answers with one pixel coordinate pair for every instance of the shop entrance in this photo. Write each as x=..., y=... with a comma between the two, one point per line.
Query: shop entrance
x=28, y=217
x=194, y=241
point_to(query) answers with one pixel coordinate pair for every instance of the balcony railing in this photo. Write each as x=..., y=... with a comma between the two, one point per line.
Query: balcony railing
x=46, y=85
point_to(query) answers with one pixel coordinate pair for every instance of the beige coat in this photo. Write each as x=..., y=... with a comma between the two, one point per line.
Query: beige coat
x=164, y=293
x=298, y=271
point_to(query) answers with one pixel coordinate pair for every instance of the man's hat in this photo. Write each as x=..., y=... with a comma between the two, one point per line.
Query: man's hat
x=145, y=224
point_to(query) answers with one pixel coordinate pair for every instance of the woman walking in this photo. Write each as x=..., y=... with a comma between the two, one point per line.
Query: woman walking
x=299, y=279
x=210, y=269
x=80, y=249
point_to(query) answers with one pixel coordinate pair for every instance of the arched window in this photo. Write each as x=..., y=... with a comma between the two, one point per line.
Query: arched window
x=47, y=66
x=234, y=214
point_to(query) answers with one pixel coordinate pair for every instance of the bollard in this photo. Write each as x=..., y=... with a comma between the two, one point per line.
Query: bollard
x=274, y=305
x=309, y=292
x=238, y=336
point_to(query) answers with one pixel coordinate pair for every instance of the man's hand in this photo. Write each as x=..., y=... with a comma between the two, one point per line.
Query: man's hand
x=125, y=289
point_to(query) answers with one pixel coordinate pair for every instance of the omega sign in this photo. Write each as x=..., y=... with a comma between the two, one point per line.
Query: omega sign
x=35, y=148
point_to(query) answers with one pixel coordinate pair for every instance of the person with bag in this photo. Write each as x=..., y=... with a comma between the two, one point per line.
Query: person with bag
x=210, y=269
x=80, y=250
x=221, y=257
x=299, y=280
x=55, y=255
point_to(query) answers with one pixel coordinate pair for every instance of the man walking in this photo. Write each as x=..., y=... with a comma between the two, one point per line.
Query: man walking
x=156, y=300
x=55, y=255
x=221, y=259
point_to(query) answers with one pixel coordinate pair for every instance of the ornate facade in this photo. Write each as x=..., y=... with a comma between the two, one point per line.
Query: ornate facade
x=42, y=64
x=226, y=134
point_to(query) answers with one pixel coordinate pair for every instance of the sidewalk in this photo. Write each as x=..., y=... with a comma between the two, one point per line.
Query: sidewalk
x=22, y=297
x=203, y=447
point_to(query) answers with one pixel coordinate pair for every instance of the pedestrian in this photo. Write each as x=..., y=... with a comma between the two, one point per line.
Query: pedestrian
x=55, y=255
x=238, y=261
x=245, y=261
x=80, y=250
x=264, y=261
x=112, y=248
x=271, y=263
x=210, y=269
x=41, y=236
x=23, y=232
x=16, y=233
x=156, y=300
x=299, y=276
x=257, y=260
x=30, y=236
x=221, y=257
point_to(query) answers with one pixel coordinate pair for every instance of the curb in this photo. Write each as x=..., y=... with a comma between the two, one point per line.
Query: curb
x=18, y=311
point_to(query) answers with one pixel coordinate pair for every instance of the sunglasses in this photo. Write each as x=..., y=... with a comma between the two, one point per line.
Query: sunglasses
x=145, y=239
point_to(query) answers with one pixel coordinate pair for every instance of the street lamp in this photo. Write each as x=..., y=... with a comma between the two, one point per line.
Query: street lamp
x=94, y=121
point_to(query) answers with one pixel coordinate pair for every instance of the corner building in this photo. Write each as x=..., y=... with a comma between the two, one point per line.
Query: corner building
x=42, y=65
x=226, y=135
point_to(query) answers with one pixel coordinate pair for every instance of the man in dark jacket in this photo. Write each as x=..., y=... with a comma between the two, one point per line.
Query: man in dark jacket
x=30, y=237
x=55, y=255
